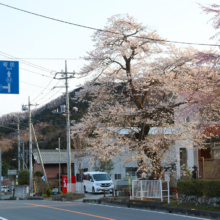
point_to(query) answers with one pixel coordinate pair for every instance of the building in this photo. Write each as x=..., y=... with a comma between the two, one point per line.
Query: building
x=51, y=160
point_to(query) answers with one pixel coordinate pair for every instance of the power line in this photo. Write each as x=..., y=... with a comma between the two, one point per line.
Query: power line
x=51, y=96
x=25, y=62
x=30, y=58
x=43, y=89
x=96, y=29
x=32, y=85
x=8, y=127
x=36, y=73
x=46, y=93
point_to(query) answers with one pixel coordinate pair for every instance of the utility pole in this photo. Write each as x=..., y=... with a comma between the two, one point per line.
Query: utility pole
x=30, y=147
x=19, y=149
x=39, y=154
x=23, y=154
x=24, y=108
x=0, y=175
x=65, y=75
x=59, y=162
x=27, y=154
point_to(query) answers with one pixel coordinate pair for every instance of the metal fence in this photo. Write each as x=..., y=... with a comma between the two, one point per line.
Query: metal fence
x=149, y=189
x=75, y=188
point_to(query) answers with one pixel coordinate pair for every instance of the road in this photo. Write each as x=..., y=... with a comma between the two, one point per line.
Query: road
x=6, y=196
x=51, y=210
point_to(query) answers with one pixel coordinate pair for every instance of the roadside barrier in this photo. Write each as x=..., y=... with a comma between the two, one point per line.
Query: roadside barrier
x=149, y=189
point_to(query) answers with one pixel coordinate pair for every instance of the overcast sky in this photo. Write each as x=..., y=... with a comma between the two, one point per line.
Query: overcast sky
x=27, y=36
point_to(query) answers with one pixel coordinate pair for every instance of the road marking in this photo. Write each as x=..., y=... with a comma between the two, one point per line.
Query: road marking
x=66, y=210
x=1, y=218
x=165, y=213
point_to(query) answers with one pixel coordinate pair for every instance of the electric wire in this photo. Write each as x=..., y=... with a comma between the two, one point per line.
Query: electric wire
x=51, y=96
x=101, y=30
x=36, y=73
x=25, y=62
x=8, y=127
x=33, y=85
x=48, y=92
x=43, y=89
x=37, y=58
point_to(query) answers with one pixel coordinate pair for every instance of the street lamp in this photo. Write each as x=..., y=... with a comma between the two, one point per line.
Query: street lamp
x=59, y=161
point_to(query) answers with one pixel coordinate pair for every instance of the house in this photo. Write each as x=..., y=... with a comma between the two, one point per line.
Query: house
x=51, y=160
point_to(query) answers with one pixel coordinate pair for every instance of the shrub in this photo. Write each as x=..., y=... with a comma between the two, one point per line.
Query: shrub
x=48, y=192
x=23, y=177
x=38, y=173
x=200, y=187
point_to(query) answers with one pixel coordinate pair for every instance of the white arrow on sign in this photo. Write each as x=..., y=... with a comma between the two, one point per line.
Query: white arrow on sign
x=9, y=80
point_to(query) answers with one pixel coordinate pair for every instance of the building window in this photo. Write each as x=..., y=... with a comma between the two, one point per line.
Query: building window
x=131, y=171
x=117, y=176
x=183, y=157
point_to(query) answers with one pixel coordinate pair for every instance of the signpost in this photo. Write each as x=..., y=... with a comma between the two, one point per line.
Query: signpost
x=167, y=179
x=9, y=77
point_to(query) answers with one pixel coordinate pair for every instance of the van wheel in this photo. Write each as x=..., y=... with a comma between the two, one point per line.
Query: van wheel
x=93, y=191
x=85, y=190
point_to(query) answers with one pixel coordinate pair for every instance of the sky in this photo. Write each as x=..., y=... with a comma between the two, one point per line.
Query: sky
x=41, y=45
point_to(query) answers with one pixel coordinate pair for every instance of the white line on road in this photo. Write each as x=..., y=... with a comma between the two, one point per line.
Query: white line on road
x=184, y=216
x=1, y=218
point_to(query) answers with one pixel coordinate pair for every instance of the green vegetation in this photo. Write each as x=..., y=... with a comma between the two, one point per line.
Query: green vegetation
x=38, y=173
x=49, y=192
x=23, y=177
x=5, y=168
x=51, y=128
x=7, y=162
x=193, y=207
x=68, y=194
x=200, y=187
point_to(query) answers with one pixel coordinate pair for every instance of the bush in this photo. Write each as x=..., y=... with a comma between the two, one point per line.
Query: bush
x=48, y=192
x=38, y=173
x=23, y=177
x=210, y=188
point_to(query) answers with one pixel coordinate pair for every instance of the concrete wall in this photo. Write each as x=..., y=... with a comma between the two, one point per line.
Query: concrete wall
x=21, y=191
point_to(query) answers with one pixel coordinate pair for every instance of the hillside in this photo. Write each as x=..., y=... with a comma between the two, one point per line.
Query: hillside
x=48, y=127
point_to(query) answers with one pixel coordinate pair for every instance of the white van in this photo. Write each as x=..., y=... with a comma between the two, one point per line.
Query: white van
x=97, y=182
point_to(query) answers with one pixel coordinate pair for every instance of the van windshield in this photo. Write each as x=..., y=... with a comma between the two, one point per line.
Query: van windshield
x=101, y=177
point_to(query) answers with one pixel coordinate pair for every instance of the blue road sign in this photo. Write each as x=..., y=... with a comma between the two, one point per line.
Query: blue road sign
x=43, y=179
x=9, y=77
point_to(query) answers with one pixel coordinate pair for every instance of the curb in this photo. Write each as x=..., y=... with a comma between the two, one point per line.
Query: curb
x=161, y=208
x=34, y=198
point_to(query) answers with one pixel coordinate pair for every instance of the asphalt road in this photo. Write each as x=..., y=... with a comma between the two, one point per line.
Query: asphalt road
x=51, y=210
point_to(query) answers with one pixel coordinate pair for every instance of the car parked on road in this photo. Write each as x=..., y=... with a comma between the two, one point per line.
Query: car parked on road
x=97, y=182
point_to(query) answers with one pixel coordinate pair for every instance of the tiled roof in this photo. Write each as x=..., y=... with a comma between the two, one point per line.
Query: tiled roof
x=52, y=156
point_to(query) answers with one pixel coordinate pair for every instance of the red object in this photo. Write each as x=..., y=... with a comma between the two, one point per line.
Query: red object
x=64, y=184
x=174, y=190
x=73, y=179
